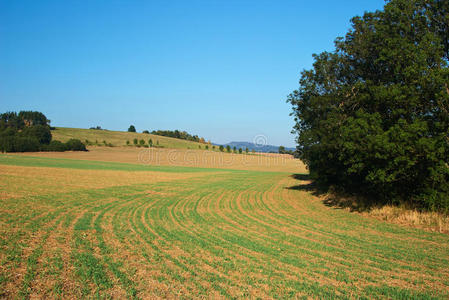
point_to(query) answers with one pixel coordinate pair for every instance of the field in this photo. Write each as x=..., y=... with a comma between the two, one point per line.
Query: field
x=184, y=158
x=107, y=225
x=119, y=138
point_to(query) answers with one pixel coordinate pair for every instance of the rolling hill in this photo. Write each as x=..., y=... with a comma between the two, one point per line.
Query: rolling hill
x=120, y=138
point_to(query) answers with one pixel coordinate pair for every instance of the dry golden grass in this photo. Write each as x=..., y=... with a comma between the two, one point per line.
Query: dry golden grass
x=185, y=157
x=431, y=221
x=403, y=215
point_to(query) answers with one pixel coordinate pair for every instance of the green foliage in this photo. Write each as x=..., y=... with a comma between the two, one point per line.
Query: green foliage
x=135, y=141
x=142, y=142
x=132, y=128
x=146, y=131
x=30, y=131
x=372, y=117
x=75, y=145
x=40, y=132
x=246, y=150
x=33, y=118
x=221, y=148
x=228, y=148
x=150, y=142
x=11, y=120
x=71, y=145
x=55, y=146
x=177, y=134
x=240, y=150
x=16, y=143
x=127, y=142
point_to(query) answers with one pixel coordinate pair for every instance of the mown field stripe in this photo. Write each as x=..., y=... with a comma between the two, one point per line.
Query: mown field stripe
x=66, y=163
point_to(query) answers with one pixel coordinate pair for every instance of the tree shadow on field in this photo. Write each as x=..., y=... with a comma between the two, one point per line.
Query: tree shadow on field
x=307, y=184
x=330, y=196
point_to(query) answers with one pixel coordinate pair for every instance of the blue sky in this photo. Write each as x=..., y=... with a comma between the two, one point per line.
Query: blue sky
x=219, y=69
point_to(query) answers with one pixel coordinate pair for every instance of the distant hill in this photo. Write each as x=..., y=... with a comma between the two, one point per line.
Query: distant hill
x=120, y=138
x=257, y=148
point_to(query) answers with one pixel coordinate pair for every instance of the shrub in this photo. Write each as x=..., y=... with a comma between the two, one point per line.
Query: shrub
x=146, y=131
x=142, y=142
x=132, y=128
x=240, y=150
x=75, y=145
x=135, y=141
x=127, y=142
x=150, y=142
x=55, y=146
x=221, y=148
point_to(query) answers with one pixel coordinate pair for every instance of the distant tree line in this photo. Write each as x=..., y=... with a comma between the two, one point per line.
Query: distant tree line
x=282, y=150
x=179, y=135
x=29, y=131
x=372, y=117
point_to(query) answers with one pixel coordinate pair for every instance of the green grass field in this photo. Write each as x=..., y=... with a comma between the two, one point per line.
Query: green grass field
x=119, y=138
x=215, y=233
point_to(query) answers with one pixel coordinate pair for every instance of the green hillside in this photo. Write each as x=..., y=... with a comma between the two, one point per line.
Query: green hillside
x=119, y=138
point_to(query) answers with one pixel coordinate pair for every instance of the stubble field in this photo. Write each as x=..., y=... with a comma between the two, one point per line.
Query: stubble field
x=78, y=228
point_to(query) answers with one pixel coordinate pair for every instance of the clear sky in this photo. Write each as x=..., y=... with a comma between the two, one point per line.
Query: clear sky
x=219, y=69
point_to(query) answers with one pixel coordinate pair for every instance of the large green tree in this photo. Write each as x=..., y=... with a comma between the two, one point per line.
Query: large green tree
x=373, y=116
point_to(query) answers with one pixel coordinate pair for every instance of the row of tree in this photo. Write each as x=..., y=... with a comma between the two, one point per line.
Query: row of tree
x=234, y=149
x=28, y=131
x=142, y=143
x=372, y=117
x=179, y=135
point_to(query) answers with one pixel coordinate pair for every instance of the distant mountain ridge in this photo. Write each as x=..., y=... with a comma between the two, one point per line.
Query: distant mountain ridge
x=256, y=147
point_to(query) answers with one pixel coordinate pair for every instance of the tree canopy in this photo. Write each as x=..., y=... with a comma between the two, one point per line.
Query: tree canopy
x=372, y=117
